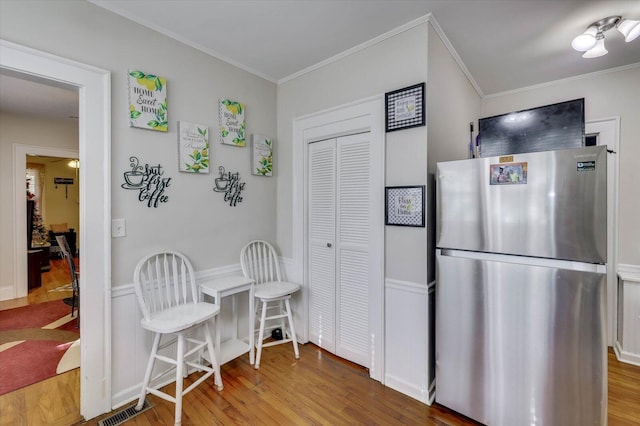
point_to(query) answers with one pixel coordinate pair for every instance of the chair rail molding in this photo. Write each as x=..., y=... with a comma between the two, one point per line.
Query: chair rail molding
x=133, y=339
x=409, y=317
x=627, y=345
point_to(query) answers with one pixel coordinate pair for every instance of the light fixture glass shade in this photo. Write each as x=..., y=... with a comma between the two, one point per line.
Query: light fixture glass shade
x=629, y=28
x=586, y=40
x=597, y=51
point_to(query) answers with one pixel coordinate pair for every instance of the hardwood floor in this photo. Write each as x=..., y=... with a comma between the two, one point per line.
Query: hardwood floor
x=58, y=275
x=55, y=401
x=318, y=389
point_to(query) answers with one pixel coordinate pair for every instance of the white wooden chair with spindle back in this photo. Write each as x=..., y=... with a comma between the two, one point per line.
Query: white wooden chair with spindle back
x=259, y=261
x=169, y=299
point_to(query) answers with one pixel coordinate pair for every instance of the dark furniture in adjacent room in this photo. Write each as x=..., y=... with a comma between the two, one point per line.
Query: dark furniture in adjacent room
x=70, y=235
x=36, y=259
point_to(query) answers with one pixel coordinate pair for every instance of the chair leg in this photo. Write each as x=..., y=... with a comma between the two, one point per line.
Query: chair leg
x=147, y=374
x=281, y=310
x=217, y=378
x=179, y=379
x=292, y=329
x=263, y=317
x=73, y=303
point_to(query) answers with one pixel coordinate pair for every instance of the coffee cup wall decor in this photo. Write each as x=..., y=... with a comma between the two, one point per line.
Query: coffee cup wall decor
x=148, y=180
x=229, y=183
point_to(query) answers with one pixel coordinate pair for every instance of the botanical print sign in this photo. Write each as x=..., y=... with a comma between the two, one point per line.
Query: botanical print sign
x=231, y=118
x=147, y=101
x=193, y=147
x=261, y=155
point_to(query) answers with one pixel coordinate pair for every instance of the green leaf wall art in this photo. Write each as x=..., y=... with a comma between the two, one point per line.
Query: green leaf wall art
x=193, y=147
x=147, y=101
x=231, y=121
x=262, y=155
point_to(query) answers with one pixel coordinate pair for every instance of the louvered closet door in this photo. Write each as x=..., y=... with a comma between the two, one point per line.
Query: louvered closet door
x=352, y=249
x=322, y=293
x=339, y=206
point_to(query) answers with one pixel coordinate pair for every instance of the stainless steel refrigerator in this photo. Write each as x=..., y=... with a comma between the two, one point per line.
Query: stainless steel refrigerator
x=521, y=288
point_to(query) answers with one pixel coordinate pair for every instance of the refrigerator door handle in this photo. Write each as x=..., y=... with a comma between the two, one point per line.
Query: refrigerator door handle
x=524, y=260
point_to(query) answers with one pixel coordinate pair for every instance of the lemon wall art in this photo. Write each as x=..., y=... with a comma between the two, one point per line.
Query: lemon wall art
x=261, y=155
x=147, y=101
x=193, y=147
x=231, y=119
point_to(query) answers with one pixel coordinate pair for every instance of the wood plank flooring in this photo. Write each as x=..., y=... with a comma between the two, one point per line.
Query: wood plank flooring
x=57, y=275
x=318, y=389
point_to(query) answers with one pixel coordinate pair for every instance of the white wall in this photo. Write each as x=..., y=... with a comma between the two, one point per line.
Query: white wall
x=452, y=103
x=611, y=94
x=394, y=63
x=61, y=204
x=195, y=220
x=23, y=130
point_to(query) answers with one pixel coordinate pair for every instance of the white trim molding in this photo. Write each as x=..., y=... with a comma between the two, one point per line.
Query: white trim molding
x=94, y=134
x=627, y=346
x=356, y=117
x=408, y=323
x=134, y=343
x=562, y=81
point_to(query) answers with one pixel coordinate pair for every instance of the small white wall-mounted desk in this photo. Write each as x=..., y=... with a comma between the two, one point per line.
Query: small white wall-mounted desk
x=230, y=286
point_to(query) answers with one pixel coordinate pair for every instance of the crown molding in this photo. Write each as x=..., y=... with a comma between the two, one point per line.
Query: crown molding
x=164, y=31
x=563, y=80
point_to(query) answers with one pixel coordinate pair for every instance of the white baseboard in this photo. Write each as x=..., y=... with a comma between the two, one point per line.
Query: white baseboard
x=126, y=383
x=624, y=356
x=426, y=396
x=7, y=293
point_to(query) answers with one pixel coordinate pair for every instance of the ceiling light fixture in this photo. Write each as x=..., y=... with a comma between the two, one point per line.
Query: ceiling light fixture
x=592, y=40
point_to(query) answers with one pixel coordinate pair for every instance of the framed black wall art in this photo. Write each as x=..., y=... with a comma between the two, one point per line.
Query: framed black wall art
x=405, y=108
x=404, y=206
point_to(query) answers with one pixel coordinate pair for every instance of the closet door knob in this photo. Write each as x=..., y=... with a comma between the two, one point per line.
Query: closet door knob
x=328, y=244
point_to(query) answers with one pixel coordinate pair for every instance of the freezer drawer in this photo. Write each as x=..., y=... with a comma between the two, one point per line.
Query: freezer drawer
x=519, y=344
x=557, y=209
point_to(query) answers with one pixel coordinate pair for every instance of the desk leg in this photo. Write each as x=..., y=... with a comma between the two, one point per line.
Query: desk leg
x=217, y=340
x=252, y=322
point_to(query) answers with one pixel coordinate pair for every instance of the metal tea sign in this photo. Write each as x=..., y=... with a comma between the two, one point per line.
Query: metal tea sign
x=230, y=184
x=148, y=181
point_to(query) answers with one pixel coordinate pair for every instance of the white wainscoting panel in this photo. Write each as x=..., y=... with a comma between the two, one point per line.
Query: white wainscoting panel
x=131, y=344
x=409, y=339
x=290, y=273
x=627, y=347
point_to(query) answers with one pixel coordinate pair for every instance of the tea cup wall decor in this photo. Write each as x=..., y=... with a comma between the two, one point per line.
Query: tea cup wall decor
x=229, y=183
x=148, y=181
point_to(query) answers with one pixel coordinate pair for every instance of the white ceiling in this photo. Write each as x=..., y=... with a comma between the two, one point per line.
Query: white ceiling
x=504, y=44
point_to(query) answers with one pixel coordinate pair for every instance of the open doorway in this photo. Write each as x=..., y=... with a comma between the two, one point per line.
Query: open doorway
x=42, y=130
x=54, y=197
x=94, y=147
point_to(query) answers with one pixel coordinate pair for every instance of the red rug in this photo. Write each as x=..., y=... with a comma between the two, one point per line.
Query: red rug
x=33, y=340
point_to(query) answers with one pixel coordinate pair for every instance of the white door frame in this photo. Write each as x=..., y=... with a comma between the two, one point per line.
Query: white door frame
x=608, y=131
x=361, y=116
x=94, y=89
